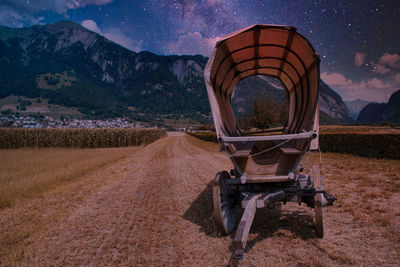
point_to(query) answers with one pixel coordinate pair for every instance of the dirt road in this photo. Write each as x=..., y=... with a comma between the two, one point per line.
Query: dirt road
x=155, y=208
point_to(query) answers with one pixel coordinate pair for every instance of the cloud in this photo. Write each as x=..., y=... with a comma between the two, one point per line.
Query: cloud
x=381, y=69
x=11, y=17
x=186, y=44
x=359, y=59
x=18, y=13
x=375, y=83
x=74, y=4
x=116, y=35
x=91, y=25
x=335, y=79
x=388, y=63
x=192, y=43
x=392, y=60
x=113, y=34
x=397, y=78
x=374, y=90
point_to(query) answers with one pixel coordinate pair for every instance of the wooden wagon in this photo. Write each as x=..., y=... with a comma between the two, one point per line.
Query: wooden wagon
x=261, y=178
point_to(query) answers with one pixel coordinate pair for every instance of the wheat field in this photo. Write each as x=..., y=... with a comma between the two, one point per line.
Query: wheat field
x=28, y=173
x=153, y=207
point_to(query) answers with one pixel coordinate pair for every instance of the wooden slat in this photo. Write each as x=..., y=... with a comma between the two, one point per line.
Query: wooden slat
x=230, y=139
x=241, y=153
x=289, y=150
x=243, y=150
x=266, y=179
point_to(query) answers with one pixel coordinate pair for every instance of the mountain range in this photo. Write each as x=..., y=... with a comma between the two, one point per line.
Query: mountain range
x=68, y=65
x=385, y=112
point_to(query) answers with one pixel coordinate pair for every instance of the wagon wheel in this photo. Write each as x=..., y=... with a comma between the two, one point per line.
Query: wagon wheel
x=319, y=222
x=224, y=203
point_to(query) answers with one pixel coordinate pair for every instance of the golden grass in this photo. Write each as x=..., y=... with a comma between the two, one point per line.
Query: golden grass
x=27, y=173
x=368, y=189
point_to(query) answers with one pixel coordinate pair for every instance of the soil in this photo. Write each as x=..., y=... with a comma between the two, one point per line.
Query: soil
x=154, y=208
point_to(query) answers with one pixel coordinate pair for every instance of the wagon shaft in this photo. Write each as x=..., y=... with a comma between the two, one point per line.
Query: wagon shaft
x=243, y=230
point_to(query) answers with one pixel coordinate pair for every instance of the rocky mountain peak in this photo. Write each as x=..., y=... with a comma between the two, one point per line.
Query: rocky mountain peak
x=332, y=104
x=72, y=66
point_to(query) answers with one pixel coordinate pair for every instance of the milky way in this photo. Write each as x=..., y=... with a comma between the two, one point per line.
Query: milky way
x=359, y=41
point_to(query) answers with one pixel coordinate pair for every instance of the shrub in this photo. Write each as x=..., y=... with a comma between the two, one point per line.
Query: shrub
x=365, y=145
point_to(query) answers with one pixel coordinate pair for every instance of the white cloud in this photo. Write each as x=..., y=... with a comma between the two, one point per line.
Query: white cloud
x=381, y=69
x=335, y=79
x=397, y=78
x=374, y=90
x=387, y=64
x=91, y=25
x=359, y=59
x=375, y=83
x=73, y=4
x=192, y=43
x=9, y=16
x=17, y=13
x=114, y=34
x=392, y=60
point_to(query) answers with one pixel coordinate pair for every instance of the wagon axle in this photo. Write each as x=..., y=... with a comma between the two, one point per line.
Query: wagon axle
x=229, y=192
x=303, y=195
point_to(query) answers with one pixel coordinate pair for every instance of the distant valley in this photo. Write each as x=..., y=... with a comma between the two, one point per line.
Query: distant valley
x=355, y=107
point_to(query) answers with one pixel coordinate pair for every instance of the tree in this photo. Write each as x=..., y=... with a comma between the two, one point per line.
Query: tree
x=244, y=123
x=264, y=114
x=283, y=112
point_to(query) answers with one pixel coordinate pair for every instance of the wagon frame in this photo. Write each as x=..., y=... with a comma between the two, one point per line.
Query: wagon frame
x=261, y=178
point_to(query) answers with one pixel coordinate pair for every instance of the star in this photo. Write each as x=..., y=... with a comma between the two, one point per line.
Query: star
x=337, y=29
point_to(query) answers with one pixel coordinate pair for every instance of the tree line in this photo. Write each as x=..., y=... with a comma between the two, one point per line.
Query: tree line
x=266, y=112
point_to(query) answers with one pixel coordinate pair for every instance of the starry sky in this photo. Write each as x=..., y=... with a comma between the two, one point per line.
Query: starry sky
x=358, y=40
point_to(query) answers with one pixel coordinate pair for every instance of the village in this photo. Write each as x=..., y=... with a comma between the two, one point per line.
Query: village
x=49, y=122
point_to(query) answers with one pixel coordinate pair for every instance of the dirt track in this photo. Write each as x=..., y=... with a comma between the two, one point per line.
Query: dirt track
x=155, y=208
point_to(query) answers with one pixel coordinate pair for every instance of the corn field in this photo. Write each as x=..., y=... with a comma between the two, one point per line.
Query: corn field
x=76, y=138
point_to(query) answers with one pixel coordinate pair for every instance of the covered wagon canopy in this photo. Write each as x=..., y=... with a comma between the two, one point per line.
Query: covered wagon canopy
x=273, y=50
